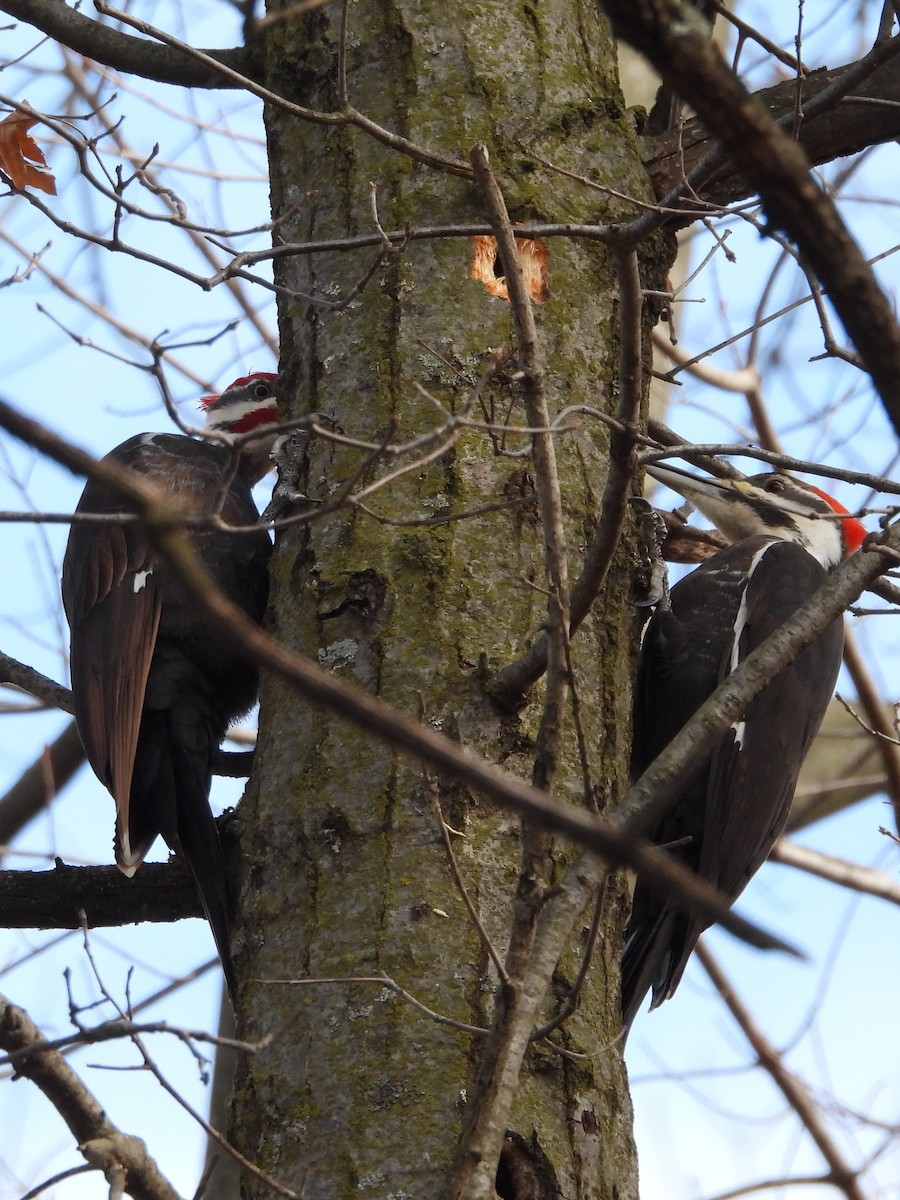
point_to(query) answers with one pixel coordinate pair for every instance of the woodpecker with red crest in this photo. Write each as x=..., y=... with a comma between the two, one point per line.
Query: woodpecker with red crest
x=154, y=690
x=786, y=536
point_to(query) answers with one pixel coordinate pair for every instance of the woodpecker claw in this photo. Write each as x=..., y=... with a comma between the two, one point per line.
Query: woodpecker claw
x=651, y=538
x=289, y=456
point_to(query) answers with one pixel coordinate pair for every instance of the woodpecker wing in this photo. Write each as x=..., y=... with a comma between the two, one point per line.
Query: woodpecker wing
x=754, y=770
x=678, y=669
x=113, y=607
x=119, y=602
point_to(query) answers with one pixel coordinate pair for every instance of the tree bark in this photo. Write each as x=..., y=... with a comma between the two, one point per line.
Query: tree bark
x=345, y=874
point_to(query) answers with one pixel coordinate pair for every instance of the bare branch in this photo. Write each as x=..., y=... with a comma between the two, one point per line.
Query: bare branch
x=122, y=52
x=543, y=451
x=767, y=454
x=837, y=870
x=870, y=701
x=104, y=1146
x=851, y=126
x=488, y=1113
x=115, y=1030
x=151, y=1066
x=39, y=784
x=513, y=680
x=384, y=981
x=22, y=676
x=675, y=39
x=459, y=882
x=159, y=892
x=842, y=1175
x=347, y=116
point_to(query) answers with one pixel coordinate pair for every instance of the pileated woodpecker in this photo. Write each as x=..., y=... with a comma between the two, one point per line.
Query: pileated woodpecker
x=787, y=535
x=153, y=690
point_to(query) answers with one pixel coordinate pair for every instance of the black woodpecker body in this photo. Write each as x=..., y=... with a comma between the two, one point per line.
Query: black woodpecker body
x=154, y=690
x=787, y=535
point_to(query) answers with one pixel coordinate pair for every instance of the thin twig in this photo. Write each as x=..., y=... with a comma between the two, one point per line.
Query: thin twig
x=151, y=1066
x=837, y=870
x=367, y=713
x=387, y=982
x=347, y=116
x=791, y=1087
x=511, y=681
x=100, y=1142
x=867, y=693
x=459, y=882
x=692, y=451
x=487, y=1115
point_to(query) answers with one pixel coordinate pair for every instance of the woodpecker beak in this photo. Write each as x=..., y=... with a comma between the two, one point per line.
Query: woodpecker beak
x=731, y=504
x=701, y=490
x=686, y=484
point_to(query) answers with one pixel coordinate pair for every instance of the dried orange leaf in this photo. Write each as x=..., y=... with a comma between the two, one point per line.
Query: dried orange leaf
x=534, y=259
x=19, y=152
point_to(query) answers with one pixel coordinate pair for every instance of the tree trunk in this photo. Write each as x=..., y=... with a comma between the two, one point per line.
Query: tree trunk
x=346, y=877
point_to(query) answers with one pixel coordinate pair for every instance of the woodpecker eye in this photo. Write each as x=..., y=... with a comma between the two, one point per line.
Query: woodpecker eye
x=261, y=391
x=775, y=485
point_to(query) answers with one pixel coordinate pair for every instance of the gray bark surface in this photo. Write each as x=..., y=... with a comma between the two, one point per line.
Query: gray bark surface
x=345, y=875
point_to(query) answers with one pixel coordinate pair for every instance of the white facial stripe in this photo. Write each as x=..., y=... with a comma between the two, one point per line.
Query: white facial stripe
x=140, y=580
x=823, y=540
x=231, y=412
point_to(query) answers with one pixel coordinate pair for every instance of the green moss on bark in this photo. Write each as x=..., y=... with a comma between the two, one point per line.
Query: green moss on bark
x=358, y=1093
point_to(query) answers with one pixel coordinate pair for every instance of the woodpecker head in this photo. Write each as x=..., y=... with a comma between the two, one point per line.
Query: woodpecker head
x=775, y=504
x=246, y=405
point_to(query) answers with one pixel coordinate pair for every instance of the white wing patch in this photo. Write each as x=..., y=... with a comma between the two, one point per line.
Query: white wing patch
x=126, y=860
x=140, y=580
x=740, y=620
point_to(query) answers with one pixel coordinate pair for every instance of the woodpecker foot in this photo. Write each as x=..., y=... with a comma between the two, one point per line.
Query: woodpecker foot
x=651, y=537
x=289, y=456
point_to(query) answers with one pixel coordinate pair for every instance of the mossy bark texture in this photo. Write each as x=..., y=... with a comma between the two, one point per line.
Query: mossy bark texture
x=345, y=878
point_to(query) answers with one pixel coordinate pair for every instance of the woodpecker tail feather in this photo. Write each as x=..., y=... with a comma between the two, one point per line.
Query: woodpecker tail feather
x=198, y=839
x=657, y=947
x=148, y=809
x=170, y=796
